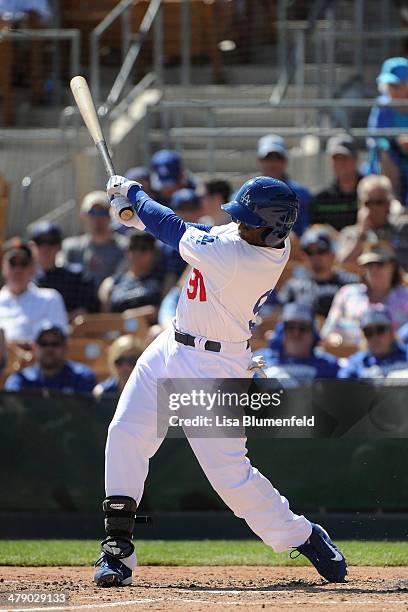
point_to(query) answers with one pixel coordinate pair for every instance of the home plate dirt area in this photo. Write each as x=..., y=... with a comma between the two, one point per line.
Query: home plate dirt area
x=224, y=588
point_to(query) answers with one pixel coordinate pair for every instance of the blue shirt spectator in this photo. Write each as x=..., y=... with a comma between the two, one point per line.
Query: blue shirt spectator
x=384, y=356
x=273, y=161
x=52, y=370
x=292, y=355
x=389, y=155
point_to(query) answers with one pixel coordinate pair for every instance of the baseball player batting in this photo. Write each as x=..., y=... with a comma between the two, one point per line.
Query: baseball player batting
x=235, y=267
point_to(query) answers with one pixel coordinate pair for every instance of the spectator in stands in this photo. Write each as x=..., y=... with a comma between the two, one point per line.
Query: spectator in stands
x=382, y=283
x=293, y=355
x=337, y=203
x=98, y=252
x=389, y=155
x=51, y=369
x=23, y=305
x=78, y=291
x=383, y=354
x=375, y=197
x=317, y=287
x=137, y=286
x=273, y=162
x=122, y=357
x=169, y=175
x=214, y=193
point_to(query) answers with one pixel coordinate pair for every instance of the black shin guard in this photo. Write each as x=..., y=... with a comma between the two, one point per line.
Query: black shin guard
x=119, y=523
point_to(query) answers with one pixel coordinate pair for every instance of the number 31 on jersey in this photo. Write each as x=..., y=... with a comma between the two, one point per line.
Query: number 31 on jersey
x=196, y=286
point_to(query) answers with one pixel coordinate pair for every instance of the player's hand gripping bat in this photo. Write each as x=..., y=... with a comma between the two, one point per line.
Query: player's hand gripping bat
x=86, y=106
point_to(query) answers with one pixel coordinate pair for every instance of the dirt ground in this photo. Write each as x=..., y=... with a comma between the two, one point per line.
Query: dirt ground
x=222, y=588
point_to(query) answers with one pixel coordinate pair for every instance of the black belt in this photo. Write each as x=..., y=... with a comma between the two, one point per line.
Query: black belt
x=188, y=340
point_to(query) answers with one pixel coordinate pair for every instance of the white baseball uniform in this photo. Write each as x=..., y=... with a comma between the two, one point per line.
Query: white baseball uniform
x=229, y=282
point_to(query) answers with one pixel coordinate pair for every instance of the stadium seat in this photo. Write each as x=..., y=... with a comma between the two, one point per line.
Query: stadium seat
x=92, y=352
x=110, y=325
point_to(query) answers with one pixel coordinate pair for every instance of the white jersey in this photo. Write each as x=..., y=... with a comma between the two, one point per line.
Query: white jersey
x=228, y=284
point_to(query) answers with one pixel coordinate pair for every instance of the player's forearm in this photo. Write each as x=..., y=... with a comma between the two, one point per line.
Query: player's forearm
x=160, y=220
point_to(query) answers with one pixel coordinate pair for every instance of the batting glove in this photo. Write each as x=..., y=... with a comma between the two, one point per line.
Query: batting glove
x=119, y=203
x=120, y=185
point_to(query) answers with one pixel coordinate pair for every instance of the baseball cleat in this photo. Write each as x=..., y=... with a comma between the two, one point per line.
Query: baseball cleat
x=324, y=554
x=111, y=572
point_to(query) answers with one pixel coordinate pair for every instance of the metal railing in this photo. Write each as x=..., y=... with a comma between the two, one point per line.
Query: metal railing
x=131, y=47
x=210, y=136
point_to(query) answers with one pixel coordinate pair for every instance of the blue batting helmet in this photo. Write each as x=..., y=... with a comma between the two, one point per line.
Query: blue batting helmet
x=265, y=202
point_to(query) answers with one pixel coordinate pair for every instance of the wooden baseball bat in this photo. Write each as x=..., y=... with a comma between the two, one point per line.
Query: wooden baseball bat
x=86, y=106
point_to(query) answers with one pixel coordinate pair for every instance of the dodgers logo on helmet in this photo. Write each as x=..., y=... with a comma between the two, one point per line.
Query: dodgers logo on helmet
x=266, y=202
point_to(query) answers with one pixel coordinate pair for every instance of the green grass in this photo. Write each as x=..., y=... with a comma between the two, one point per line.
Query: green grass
x=206, y=552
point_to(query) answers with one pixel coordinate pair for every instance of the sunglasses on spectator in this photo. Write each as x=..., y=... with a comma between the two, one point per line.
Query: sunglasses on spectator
x=50, y=344
x=375, y=330
x=302, y=328
x=376, y=201
x=19, y=263
x=126, y=360
x=313, y=252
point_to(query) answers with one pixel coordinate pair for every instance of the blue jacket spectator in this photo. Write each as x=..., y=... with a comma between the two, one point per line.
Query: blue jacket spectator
x=273, y=162
x=389, y=156
x=384, y=356
x=51, y=370
x=292, y=355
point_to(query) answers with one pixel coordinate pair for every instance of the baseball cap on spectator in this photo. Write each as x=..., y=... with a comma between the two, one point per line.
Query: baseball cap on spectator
x=376, y=314
x=394, y=71
x=320, y=237
x=95, y=203
x=271, y=143
x=138, y=173
x=184, y=199
x=46, y=232
x=377, y=254
x=15, y=247
x=48, y=326
x=166, y=169
x=297, y=312
x=342, y=144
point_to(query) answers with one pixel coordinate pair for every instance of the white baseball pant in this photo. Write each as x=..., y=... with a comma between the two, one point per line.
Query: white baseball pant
x=132, y=441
